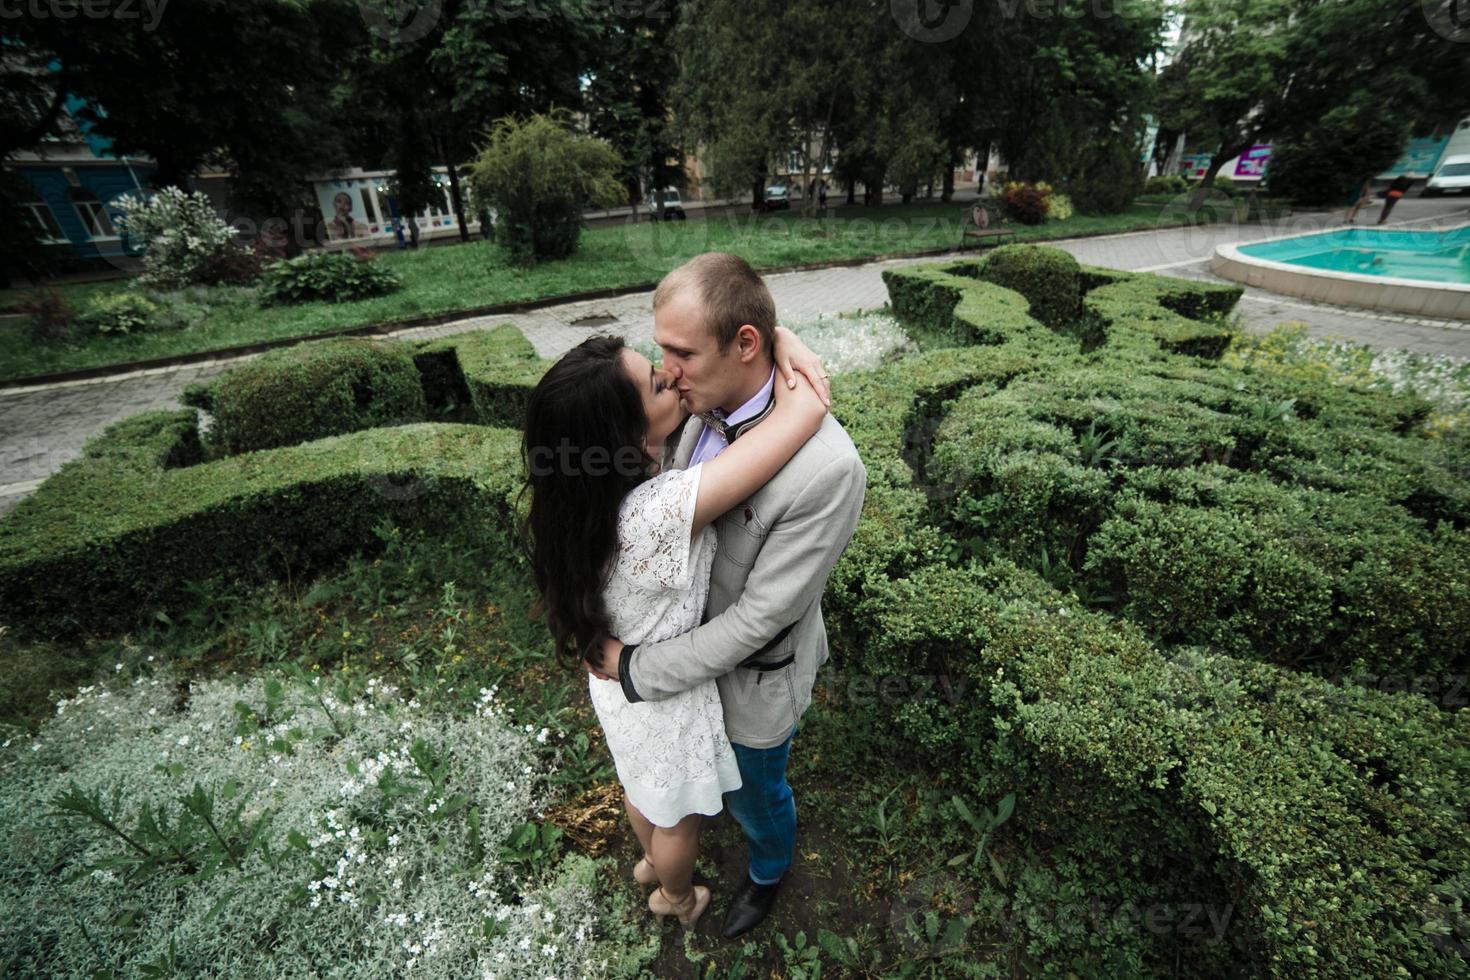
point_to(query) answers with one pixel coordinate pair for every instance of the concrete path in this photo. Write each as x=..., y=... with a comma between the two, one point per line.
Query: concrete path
x=43, y=427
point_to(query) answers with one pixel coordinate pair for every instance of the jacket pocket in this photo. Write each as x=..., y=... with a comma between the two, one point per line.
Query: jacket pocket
x=741, y=535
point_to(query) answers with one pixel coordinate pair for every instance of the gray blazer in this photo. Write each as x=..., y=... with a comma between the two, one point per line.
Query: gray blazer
x=775, y=552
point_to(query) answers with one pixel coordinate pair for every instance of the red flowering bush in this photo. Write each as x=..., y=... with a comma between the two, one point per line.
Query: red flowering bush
x=1027, y=203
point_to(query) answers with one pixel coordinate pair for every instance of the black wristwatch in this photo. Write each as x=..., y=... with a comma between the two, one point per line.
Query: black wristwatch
x=625, y=659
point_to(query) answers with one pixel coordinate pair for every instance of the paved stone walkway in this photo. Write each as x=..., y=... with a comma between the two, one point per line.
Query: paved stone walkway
x=45, y=426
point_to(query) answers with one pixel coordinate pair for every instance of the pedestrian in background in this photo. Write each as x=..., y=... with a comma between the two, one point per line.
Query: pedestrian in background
x=1396, y=190
x=1363, y=199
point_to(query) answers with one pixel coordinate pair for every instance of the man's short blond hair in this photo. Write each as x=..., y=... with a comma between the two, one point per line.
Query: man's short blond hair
x=731, y=293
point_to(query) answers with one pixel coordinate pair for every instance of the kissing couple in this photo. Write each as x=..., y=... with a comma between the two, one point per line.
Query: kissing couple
x=683, y=564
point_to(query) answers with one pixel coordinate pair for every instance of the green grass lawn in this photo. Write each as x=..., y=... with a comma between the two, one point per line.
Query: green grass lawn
x=446, y=279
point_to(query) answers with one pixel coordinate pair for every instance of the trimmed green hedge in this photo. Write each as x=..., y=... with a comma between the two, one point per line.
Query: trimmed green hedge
x=1323, y=825
x=314, y=390
x=1134, y=310
x=113, y=536
x=495, y=370
x=1322, y=822
x=1047, y=277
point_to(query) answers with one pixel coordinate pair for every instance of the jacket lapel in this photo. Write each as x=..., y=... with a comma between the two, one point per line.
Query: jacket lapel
x=687, y=438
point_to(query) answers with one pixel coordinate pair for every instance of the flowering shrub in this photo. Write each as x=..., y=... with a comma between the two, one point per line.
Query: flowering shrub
x=1059, y=208
x=1027, y=203
x=855, y=343
x=180, y=234
x=353, y=827
x=1288, y=350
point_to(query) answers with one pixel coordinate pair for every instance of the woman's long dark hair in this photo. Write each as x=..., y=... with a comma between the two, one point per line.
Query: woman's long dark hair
x=583, y=451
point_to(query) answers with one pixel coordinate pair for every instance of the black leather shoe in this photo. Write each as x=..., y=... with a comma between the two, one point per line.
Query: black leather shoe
x=751, y=904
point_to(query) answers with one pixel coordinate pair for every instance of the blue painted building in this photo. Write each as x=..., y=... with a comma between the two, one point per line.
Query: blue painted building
x=75, y=178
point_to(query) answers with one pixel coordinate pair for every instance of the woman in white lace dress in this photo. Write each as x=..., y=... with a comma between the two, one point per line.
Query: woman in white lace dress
x=619, y=547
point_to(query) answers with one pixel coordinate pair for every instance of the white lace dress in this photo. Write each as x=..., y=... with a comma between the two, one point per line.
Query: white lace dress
x=672, y=756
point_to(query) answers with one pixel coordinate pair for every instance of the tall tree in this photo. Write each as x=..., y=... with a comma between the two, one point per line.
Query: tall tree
x=430, y=86
x=1066, y=82
x=629, y=101
x=760, y=80
x=1252, y=70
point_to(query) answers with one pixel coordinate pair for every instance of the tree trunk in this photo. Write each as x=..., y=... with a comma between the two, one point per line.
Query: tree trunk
x=1197, y=199
x=439, y=144
x=464, y=231
x=852, y=191
x=947, y=190
x=758, y=193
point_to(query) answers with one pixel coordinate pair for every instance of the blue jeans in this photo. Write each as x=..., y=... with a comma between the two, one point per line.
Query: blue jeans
x=765, y=810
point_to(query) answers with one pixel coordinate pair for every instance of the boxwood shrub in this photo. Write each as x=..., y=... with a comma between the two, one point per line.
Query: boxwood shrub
x=1320, y=821
x=112, y=537
x=1180, y=810
x=313, y=390
x=1047, y=277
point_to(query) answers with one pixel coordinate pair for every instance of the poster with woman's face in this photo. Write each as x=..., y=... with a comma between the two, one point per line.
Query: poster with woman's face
x=343, y=213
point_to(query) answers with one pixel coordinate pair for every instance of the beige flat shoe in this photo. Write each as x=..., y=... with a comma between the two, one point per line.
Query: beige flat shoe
x=644, y=874
x=687, y=912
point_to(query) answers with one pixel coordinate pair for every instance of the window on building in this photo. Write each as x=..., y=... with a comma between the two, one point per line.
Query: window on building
x=38, y=217
x=93, y=214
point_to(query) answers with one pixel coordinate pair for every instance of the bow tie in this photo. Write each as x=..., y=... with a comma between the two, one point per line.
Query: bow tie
x=730, y=431
x=719, y=425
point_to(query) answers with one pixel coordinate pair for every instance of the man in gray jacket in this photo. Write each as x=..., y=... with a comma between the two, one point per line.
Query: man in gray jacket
x=763, y=638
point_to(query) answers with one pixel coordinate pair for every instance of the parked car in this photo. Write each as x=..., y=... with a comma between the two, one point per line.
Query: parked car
x=1452, y=177
x=776, y=196
x=673, y=205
